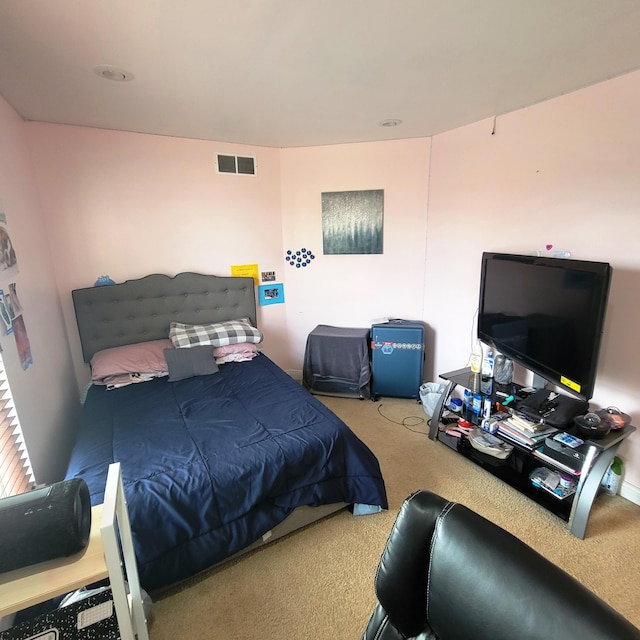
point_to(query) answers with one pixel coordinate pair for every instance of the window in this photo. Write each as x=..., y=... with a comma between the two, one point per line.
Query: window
x=16, y=474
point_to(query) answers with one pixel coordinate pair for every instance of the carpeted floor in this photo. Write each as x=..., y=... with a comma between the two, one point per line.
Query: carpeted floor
x=318, y=582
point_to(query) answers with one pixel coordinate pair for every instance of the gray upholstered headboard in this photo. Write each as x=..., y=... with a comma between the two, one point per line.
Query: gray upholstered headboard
x=140, y=310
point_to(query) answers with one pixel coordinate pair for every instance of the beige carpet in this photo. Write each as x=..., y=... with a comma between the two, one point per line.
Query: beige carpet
x=318, y=582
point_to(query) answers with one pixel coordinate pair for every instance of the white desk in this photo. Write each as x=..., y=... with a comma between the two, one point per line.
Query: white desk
x=101, y=558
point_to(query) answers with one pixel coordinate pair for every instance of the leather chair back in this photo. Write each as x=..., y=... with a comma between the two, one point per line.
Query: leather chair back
x=447, y=573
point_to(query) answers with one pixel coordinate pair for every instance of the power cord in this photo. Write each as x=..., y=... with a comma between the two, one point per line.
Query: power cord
x=405, y=421
x=474, y=335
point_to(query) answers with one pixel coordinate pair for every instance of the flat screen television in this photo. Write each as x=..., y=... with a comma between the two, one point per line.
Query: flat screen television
x=546, y=314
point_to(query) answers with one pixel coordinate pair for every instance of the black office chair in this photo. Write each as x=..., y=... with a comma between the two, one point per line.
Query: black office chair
x=447, y=573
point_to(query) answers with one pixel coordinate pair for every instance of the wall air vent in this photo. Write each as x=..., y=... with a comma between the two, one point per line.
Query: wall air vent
x=236, y=164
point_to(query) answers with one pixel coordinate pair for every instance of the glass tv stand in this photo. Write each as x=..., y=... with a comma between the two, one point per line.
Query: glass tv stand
x=516, y=469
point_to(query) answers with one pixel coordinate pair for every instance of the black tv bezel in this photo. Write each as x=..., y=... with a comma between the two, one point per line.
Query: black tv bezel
x=602, y=269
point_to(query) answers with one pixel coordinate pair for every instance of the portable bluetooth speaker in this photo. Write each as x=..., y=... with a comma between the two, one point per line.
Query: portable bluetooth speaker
x=43, y=524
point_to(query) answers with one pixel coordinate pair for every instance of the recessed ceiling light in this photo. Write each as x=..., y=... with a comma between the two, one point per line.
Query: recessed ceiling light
x=113, y=73
x=391, y=122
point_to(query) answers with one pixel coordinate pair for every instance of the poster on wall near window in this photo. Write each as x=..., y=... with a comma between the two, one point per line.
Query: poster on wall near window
x=13, y=323
x=352, y=222
x=22, y=342
x=8, y=260
x=5, y=314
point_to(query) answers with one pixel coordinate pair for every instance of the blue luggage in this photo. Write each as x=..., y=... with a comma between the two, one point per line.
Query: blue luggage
x=397, y=358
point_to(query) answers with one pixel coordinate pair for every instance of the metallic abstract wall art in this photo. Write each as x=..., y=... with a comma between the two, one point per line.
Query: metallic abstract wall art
x=352, y=222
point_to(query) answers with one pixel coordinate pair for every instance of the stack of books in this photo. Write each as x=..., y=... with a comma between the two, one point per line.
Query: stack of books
x=524, y=432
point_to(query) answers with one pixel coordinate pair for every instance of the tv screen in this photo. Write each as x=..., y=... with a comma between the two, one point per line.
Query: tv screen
x=546, y=314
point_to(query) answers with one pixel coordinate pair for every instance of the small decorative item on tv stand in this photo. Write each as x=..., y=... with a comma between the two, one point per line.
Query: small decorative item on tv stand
x=615, y=418
x=502, y=370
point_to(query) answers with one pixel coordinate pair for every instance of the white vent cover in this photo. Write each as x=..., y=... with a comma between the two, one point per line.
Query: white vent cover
x=243, y=165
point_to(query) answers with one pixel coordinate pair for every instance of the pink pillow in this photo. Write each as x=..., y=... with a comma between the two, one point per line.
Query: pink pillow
x=240, y=347
x=142, y=357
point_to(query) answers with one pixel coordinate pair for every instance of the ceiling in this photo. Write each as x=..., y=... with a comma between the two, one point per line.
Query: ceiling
x=290, y=73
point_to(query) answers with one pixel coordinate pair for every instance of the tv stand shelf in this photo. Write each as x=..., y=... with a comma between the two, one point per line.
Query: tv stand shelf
x=515, y=470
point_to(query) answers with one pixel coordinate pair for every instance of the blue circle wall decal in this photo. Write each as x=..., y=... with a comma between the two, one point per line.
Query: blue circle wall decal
x=299, y=257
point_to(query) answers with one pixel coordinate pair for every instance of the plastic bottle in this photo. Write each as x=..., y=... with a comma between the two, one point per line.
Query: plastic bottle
x=476, y=357
x=487, y=365
x=613, y=476
x=476, y=408
x=502, y=369
x=466, y=404
x=486, y=408
x=486, y=384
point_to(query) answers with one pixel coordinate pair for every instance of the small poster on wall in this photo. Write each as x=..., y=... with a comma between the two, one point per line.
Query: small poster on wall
x=13, y=323
x=22, y=342
x=246, y=271
x=271, y=294
x=6, y=314
x=11, y=318
x=8, y=260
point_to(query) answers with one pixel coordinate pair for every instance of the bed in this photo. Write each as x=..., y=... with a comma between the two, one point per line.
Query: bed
x=213, y=463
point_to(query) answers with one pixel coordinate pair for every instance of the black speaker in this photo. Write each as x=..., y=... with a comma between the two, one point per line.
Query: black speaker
x=43, y=524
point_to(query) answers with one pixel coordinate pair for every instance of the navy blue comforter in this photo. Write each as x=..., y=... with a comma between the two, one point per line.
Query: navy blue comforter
x=211, y=463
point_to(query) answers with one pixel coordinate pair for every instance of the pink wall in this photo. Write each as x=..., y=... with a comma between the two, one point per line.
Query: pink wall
x=45, y=394
x=564, y=172
x=126, y=205
x=351, y=290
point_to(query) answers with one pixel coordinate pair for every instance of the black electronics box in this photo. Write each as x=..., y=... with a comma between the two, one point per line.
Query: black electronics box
x=557, y=410
x=567, y=449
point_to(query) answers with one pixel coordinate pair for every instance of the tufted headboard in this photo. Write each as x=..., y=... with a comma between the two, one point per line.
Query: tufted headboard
x=141, y=310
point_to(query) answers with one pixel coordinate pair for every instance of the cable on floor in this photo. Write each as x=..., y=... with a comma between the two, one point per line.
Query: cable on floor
x=405, y=421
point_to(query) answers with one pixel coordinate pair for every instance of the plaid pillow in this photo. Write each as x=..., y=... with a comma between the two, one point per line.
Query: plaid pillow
x=218, y=334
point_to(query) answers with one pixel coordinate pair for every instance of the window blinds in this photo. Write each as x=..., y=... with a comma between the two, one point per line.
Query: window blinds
x=16, y=475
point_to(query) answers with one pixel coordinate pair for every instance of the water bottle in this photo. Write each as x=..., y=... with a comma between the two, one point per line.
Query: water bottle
x=466, y=404
x=487, y=365
x=486, y=384
x=476, y=408
x=613, y=476
x=476, y=358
